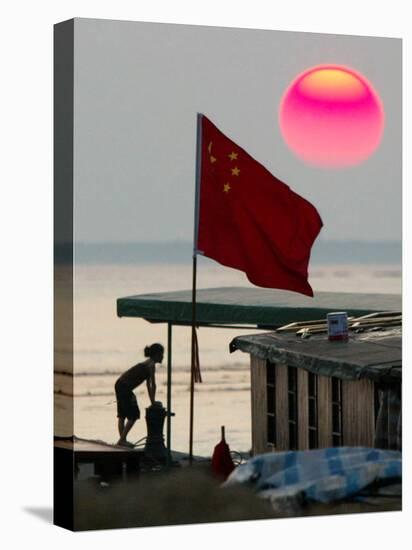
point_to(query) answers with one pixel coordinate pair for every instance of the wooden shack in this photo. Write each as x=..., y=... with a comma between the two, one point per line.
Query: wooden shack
x=312, y=393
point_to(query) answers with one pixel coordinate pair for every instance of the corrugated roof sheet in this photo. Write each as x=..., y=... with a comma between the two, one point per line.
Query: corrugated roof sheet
x=373, y=355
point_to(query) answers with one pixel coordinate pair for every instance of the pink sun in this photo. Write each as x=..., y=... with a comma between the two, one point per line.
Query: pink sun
x=331, y=116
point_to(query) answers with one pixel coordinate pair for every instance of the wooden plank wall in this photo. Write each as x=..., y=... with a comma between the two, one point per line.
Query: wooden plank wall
x=303, y=410
x=282, y=409
x=358, y=418
x=259, y=405
x=324, y=411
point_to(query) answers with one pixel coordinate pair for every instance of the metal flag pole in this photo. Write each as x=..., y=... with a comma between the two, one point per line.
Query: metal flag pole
x=196, y=226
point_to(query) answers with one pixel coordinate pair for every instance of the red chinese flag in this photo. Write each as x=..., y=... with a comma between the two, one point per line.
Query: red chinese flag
x=250, y=220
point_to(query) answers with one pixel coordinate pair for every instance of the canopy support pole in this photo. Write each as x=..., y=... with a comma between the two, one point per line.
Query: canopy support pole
x=192, y=369
x=169, y=394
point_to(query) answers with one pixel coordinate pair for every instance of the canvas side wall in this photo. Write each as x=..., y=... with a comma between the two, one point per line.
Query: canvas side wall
x=63, y=269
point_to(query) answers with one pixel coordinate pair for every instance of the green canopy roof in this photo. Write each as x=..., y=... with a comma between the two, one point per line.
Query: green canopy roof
x=250, y=306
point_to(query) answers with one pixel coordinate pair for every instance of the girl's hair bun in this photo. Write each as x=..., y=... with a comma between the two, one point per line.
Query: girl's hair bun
x=154, y=350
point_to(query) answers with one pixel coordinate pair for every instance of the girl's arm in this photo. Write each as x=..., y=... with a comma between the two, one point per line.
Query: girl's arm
x=151, y=386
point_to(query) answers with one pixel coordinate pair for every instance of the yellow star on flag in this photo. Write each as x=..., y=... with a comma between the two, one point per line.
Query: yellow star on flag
x=235, y=171
x=226, y=188
x=233, y=155
x=212, y=159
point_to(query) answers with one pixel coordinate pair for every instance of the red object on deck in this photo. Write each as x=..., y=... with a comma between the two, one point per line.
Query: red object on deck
x=222, y=463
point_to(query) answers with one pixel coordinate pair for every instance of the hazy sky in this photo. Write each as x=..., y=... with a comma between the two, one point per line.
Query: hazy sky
x=138, y=87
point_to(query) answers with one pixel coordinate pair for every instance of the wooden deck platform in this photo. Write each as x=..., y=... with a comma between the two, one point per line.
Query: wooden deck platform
x=88, y=447
x=110, y=461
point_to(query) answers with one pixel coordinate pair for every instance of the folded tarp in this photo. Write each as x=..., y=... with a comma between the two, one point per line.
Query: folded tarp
x=322, y=475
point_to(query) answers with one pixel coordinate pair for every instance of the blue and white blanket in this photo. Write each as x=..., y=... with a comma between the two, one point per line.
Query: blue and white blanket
x=323, y=475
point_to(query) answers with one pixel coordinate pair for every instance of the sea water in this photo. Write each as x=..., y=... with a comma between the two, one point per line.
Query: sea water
x=106, y=345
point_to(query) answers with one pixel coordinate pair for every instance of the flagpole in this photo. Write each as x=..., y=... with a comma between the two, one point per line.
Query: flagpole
x=194, y=273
